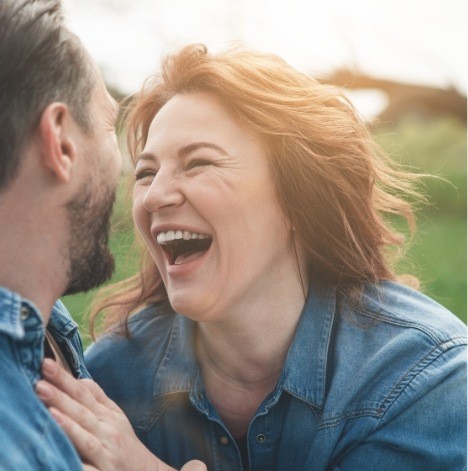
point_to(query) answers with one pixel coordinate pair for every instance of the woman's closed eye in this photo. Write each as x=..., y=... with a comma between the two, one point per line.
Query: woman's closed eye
x=143, y=175
x=198, y=164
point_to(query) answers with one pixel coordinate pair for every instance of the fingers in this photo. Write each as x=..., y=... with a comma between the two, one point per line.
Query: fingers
x=61, y=402
x=87, y=445
x=65, y=382
x=86, y=392
x=98, y=428
x=194, y=465
x=90, y=434
x=99, y=394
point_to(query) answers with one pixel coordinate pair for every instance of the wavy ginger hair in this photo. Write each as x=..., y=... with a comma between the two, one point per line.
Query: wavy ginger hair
x=332, y=181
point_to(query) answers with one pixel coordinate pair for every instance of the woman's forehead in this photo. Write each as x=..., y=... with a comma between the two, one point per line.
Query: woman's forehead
x=200, y=115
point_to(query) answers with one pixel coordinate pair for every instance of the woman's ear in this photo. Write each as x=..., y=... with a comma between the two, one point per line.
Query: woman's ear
x=58, y=147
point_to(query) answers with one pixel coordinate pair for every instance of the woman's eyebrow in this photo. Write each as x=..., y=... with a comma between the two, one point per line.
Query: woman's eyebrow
x=185, y=150
x=145, y=156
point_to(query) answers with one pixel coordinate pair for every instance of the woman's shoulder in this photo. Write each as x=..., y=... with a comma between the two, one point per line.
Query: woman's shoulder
x=396, y=372
x=148, y=331
x=396, y=340
x=400, y=307
x=126, y=366
x=394, y=330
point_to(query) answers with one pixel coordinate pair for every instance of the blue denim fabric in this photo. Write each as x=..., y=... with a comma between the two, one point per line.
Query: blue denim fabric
x=29, y=437
x=379, y=387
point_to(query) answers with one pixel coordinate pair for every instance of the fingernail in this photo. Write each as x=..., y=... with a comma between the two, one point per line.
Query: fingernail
x=43, y=390
x=49, y=367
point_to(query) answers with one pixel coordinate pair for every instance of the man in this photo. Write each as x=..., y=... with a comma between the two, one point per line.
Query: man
x=59, y=166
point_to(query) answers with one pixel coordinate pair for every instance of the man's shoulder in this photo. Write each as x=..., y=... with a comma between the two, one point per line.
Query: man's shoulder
x=30, y=438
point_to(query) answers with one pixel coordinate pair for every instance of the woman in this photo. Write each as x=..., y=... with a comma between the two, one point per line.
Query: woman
x=270, y=330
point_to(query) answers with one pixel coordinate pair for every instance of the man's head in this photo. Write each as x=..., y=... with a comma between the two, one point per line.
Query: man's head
x=57, y=137
x=40, y=62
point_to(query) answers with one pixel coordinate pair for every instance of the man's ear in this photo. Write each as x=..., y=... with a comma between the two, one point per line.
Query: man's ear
x=58, y=146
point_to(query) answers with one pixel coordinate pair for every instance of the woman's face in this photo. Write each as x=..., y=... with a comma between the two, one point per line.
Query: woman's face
x=205, y=204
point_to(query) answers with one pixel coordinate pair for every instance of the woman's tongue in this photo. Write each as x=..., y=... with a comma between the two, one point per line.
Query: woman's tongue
x=180, y=252
x=187, y=257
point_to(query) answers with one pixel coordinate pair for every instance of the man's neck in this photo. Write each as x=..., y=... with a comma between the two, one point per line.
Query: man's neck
x=30, y=264
x=32, y=292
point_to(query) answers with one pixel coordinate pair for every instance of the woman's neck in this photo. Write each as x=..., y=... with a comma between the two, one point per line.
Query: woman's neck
x=241, y=361
x=251, y=346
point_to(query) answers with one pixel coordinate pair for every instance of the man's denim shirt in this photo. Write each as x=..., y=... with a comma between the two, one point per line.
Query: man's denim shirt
x=29, y=437
x=381, y=389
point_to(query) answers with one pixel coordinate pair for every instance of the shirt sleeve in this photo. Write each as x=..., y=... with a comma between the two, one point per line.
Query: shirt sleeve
x=425, y=427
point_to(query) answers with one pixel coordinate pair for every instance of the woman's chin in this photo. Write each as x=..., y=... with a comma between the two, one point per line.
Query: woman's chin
x=196, y=308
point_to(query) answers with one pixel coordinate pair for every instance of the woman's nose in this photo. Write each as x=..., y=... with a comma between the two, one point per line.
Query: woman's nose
x=164, y=192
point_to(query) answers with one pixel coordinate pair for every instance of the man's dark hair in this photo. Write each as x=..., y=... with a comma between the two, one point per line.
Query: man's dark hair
x=41, y=61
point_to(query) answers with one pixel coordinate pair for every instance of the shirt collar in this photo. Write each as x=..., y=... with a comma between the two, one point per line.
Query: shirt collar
x=304, y=372
x=12, y=305
x=178, y=367
x=305, y=369
x=60, y=323
x=12, y=308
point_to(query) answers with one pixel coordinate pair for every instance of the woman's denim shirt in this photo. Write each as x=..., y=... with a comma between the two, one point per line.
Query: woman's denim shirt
x=29, y=436
x=382, y=387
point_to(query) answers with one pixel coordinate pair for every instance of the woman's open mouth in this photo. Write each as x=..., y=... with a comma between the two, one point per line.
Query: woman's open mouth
x=183, y=246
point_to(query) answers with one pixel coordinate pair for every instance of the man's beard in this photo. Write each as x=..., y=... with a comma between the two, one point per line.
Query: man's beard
x=91, y=262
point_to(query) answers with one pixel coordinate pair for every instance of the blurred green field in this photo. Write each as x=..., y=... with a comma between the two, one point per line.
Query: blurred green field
x=437, y=254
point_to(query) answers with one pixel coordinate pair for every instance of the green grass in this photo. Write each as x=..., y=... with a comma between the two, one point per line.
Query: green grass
x=121, y=244
x=437, y=256
x=126, y=259
x=437, y=147
x=438, y=252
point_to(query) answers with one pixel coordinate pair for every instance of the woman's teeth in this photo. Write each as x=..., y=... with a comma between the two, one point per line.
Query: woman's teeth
x=169, y=236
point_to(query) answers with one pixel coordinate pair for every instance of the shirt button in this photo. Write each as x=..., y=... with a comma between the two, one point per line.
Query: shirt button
x=200, y=396
x=24, y=314
x=260, y=438
x=224, y=440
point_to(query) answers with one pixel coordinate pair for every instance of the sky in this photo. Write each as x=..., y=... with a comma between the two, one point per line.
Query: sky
x=415, y=41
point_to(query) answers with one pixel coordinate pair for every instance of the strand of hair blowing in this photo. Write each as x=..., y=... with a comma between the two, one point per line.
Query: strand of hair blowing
x=333, y=182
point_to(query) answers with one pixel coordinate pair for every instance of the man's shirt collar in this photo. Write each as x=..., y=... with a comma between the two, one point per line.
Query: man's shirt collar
x=60, y=321
x=13, y=310
x=19, y=318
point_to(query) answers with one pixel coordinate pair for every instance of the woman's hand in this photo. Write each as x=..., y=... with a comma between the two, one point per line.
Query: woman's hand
x=98, y=428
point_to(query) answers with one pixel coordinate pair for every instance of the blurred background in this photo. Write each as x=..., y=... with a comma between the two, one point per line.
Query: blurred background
x=402, y=63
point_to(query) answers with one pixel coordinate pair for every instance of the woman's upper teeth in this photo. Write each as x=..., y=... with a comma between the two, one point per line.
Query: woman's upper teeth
x=169, y=236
